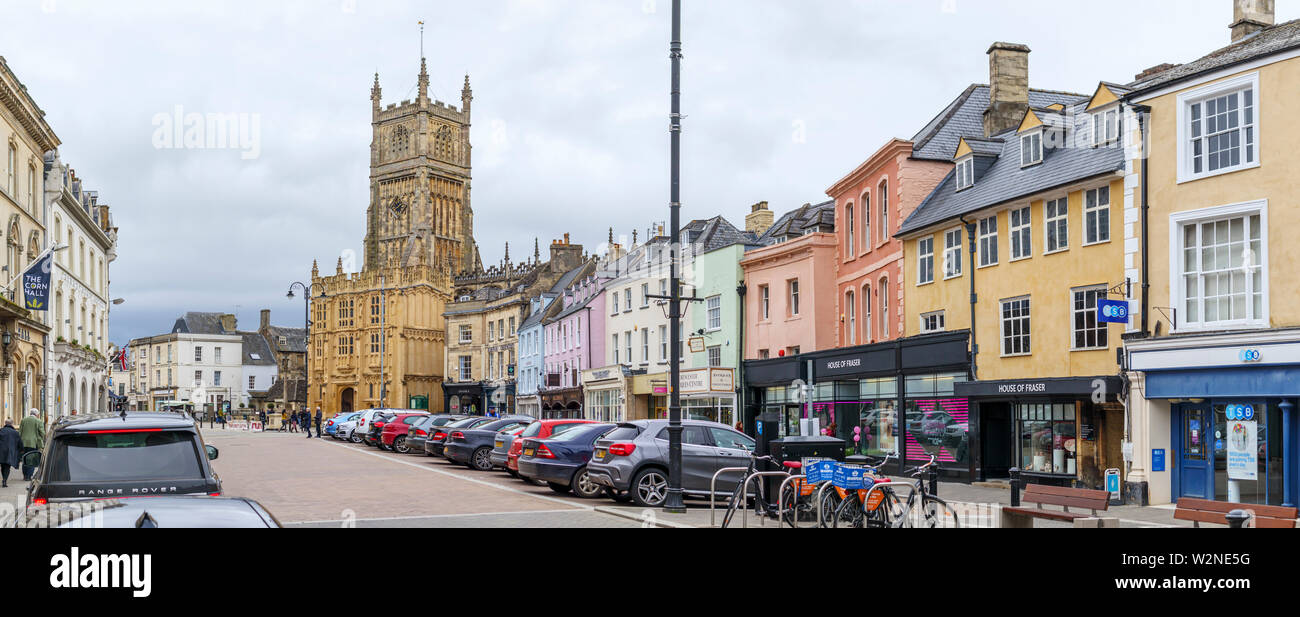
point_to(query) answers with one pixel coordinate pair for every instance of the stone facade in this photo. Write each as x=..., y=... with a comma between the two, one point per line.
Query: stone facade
x=1009, y=84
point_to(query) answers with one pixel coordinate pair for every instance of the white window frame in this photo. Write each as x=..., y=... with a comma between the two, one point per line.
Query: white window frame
x=645, y=295
x=645, y=345
x=1248, y=81
x=765, y=301
x=1105, y=125
x=1176, y=293
x=882, y=187
x=1004, y=321
x=966, y=172
x=850, y=301
x=711, y=352
x=1058, y=218
x=663, y=344
x=1021, y=233
x=627, y=300
x=928, y=318
x=713, y=312
x=792, y=297
x=1101, y=326
x=949, y=249
x=1033, y=153
x=848, y=228
x=981, y=238
x=865, y=203
x=615, y=347
x=924, y=261
x=1097, y=208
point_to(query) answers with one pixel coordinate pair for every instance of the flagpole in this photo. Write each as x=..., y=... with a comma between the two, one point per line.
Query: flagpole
x=57, y=247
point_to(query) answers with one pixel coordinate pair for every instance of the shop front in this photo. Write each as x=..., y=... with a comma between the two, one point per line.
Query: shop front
x=770, y=389
x=709, y=394
x=856, y=394
x=561, y=403
x=530, y=405
x=1216, y=418
x=649, y=396
x=464, y=398
x=500, y=399
x=605, y=394
x=1063, y=431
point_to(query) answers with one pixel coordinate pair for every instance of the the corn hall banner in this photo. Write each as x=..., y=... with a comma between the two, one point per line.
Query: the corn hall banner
x=36, y=284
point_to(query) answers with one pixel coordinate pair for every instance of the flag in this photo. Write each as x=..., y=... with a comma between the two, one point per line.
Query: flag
x=121, y=356
x=36, y=284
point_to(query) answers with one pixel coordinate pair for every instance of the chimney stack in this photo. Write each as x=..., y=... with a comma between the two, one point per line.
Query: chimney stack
x=1008, y=87
x=1250, y=16
x=228, y=322
x=759, y=219
x=266, y=319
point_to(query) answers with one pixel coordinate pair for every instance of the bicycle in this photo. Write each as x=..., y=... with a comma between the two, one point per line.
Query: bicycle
x=762, y=507
x=849, y=508
x=934, y=512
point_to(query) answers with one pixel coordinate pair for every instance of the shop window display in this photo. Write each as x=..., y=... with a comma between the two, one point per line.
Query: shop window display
x=937, y=423
x=1047, y=437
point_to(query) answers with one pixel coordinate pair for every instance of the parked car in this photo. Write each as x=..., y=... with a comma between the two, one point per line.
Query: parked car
x=633, y=457
x=472, y=446
x=423, y=427
x=332, y=426
x=192, y=512
x=346, y=429
x=501, y=444
x=126, y=454
x=372, y=437
x=433, y=445
x=396, y=428
x=506, y=452
x=364, y=422
x=561, y=460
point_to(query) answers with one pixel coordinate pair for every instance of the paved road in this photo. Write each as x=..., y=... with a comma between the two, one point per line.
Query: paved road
x=328, y=483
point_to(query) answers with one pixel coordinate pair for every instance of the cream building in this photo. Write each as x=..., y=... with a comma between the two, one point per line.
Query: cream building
x=200, y=361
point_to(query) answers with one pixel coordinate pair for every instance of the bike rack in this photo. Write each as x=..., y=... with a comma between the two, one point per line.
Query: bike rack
x=891, y=483
x=713, y=485
x=820, y=490
x=780, y=509
x=744, y=511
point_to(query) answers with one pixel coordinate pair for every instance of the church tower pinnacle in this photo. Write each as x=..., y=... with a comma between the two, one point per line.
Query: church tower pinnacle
x=466, y=95
x=424, y=82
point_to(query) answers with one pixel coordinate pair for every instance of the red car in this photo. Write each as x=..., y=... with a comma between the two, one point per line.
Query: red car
x=540, y=429
x=394, y=435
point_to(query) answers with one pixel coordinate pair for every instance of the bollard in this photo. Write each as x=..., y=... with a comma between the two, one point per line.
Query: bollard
x=934, y=481
x=1015, y=487
x=1237, y=518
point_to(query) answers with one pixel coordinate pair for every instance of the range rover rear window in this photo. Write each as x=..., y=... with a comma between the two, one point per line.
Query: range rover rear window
x=124, y=456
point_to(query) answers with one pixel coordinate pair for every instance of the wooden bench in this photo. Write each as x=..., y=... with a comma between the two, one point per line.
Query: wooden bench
x=1082, y=498
x=1205, y=511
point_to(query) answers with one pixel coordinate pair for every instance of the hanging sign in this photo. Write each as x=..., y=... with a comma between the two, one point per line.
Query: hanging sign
x=1112, y=311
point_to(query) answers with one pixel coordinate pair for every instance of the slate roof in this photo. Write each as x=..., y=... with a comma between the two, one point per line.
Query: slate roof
x=714, y=233
x=195, y=322
x=937, y=140
x=295, y=339
x=536, y=317
x=297, y=393
x=795, y=221
x=1005, y=181
x=982, y=146
x=569, y=310
x=557, y=290
x=1271, y=40
x=255, y=343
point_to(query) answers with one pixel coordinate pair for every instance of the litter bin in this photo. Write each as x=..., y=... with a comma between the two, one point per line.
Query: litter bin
x=795, y=448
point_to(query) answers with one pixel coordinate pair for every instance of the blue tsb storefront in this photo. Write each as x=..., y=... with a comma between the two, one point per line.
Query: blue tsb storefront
x=1232, y=404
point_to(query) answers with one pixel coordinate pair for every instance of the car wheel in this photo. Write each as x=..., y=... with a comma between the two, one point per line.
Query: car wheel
x=513, y=473
x=619, y=496
x=650, y=487
x=481, y=459
x=584, y=487
x=399, y=444
x=559, y=488
x=355, y=438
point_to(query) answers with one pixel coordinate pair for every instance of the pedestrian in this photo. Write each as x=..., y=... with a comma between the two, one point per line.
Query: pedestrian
x=304, y=420
x=284, y=420
x=11, y=444
x=318, y=419
x=32, y=431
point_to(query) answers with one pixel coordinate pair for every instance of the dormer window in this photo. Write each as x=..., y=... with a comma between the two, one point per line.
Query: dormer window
x=1031, y=149
x=1105, y=126
x=966, y=173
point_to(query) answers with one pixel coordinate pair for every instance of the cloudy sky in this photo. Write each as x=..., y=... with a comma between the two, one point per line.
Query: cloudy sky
x=570, y=112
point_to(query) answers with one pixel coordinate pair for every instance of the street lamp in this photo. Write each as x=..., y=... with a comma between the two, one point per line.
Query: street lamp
x=673, y=501
x=306, y=324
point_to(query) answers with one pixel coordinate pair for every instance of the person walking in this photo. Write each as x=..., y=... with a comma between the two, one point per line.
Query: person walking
x=32, y=432
x=284, y=420
x=11, y=444
x=318, y=419
x=304, y=418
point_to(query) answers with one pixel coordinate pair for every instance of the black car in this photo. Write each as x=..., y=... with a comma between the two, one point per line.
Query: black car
x=438, y=437
x=372, y=437
x=472, y=445
x=424, y=427
x=175, y=512
x=127, y=454
x=561, y=460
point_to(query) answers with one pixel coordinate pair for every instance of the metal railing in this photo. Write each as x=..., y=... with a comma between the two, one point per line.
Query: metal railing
x=713, y=492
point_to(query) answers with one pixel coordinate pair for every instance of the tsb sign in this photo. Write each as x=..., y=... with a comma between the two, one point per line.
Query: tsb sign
x=1112, y=311
x=1248, y=355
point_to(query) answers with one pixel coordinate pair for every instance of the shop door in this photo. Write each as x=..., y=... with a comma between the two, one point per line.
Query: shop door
x=1193, y=426
x=996, y=448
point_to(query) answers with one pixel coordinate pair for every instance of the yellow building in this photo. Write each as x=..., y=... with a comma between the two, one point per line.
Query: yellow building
x=1215, y=369
x=1024, y=238
x=377, y=336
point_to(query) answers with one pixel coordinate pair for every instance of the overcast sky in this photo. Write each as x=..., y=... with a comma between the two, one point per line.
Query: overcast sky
x=569, y=116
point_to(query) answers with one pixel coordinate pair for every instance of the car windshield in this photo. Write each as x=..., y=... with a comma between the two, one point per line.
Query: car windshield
x=532, y=430
x=121, y=456
x=582, y=432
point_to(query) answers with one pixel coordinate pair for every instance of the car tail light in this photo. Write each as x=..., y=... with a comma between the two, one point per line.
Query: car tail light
x=622, y=449
x=127, y=430
x=379, y=424
x=543, y=451
x=38, y=502
x=214, y=494
x=439, y=435
x=457, y=435
x=420, y=431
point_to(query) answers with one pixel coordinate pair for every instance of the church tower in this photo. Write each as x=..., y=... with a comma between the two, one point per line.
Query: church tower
x=420, y=209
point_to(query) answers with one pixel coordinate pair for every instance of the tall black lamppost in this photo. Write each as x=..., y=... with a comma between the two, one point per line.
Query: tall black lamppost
x=306, y=324
x=673, y=501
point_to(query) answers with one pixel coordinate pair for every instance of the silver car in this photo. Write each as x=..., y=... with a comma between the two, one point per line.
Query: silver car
x=633, y=458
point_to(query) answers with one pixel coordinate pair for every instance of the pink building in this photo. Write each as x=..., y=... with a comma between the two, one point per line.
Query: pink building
x=574, y=340
x=790, y=297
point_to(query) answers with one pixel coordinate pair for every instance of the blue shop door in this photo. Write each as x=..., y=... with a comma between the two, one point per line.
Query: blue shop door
x=1194, y=428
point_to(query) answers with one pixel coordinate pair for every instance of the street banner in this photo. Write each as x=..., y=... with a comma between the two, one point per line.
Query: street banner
x=36, y=284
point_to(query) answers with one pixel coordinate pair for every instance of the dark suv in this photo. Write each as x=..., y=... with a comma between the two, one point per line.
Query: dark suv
x=127, y=454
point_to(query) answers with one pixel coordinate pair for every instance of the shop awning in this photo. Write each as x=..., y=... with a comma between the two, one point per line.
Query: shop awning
x=1253, y=381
